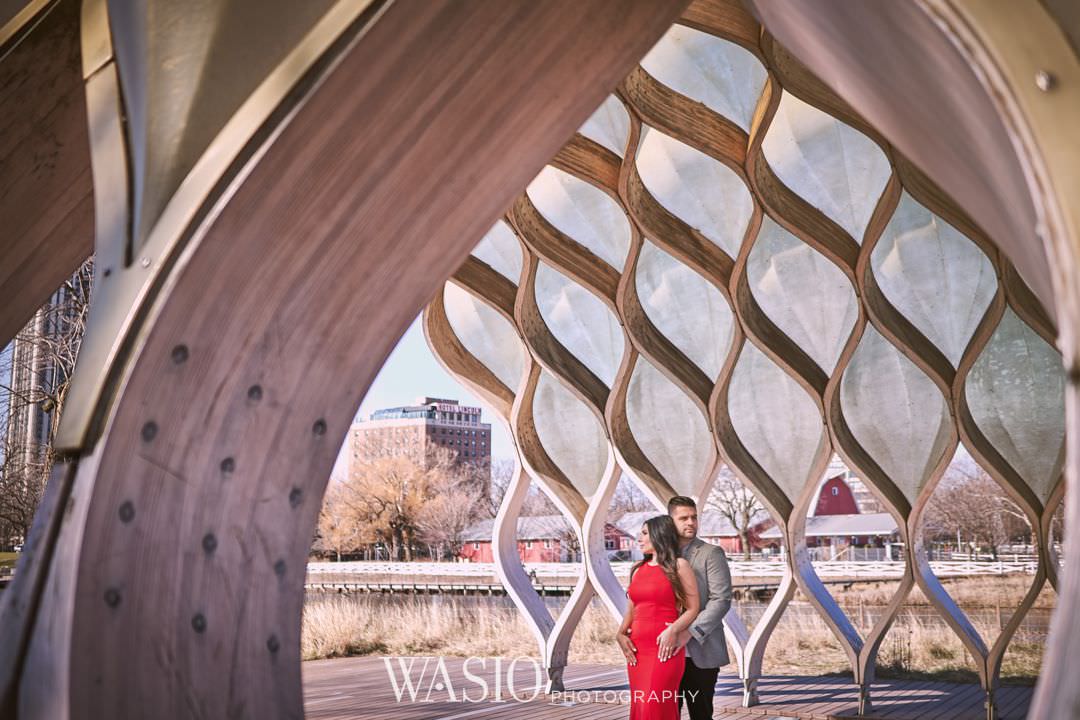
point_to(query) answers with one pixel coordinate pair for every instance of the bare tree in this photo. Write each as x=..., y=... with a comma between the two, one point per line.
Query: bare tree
x=1057, y=524
x=737, y=504
x=536, y=502
x=35, y=373
x=397, y=495
x=569, y=540
x=628, y=498
x=453, y=506
x=969, y=503
x=390, y=492
x=341, y=527
x=502, y=473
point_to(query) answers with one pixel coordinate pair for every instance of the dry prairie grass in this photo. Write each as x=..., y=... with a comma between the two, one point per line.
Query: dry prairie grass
x=335, y=627
x=802, y=644
x=1006, y=590
x=916, y=646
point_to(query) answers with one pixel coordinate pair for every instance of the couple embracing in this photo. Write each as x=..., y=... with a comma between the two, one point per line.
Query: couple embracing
x=673, y=634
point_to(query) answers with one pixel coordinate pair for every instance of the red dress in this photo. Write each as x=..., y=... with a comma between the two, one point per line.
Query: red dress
x=653, y=684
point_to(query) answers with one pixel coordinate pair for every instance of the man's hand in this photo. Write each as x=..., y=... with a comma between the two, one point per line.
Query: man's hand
x=683, y=638
x=627, y=647
x=667, y=642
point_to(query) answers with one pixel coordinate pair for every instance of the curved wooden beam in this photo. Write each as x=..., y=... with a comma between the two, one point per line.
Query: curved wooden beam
x=228, y=414
x=46, y=195
x=855, y=50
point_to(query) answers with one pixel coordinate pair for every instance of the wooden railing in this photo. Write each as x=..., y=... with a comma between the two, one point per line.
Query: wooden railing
x=756, y=568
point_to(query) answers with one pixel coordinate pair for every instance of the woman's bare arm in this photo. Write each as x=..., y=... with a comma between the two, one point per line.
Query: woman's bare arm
x=668, y=641
x=693, y=600
x=623, y=635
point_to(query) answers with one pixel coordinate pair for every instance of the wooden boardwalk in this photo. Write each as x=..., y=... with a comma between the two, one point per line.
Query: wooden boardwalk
x=361, y=688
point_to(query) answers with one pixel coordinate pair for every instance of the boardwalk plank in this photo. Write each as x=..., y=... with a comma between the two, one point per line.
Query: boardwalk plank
x=360, y=689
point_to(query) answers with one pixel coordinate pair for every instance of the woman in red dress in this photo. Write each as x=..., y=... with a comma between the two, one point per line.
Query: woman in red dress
x=663, y=602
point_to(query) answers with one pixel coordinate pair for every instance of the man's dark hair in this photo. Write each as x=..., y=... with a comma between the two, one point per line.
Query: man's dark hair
x=680, y=501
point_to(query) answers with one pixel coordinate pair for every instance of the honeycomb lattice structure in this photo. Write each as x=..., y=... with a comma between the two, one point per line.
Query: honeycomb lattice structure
x=726, y=265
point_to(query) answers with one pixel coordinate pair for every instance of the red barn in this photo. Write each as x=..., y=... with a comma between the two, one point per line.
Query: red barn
x=836, y=498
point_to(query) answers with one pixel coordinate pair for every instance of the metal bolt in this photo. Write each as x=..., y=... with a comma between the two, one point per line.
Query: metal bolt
x=198, y=623
x=1045, y=80
x=149, y=431
x=279, y=567
x=272, y=644
x=127, y=512
x=209, y=543
x=228, y=465
x=295, y=496
x=319, y=428
x=180, y=354
x=112, y=597
x=145, y=262
x=255, y=393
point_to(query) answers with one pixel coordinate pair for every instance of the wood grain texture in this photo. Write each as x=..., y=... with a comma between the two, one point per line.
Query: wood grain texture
x=19, y=605
x=375, y=189
x=46, y=199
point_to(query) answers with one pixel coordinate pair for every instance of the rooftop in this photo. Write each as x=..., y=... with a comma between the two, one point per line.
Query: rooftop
x=429, y=408
x=534, y=527
x=840, y=525
x=710, y=523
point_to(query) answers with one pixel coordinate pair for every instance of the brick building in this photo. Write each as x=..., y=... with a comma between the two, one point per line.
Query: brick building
x=419, y=430
x=712, y=528
x=542, y=538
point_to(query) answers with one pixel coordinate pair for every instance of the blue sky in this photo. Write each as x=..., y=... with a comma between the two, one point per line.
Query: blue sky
x=412, y=371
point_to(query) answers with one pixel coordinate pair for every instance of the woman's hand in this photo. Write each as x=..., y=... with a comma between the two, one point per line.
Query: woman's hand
x=666, y=643
x=627, y=647
x=671, y=641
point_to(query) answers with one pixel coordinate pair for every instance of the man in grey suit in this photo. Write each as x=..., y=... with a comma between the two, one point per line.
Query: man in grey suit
x=706, y=649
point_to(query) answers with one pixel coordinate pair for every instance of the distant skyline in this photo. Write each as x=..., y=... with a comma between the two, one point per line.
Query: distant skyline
x=412, y=371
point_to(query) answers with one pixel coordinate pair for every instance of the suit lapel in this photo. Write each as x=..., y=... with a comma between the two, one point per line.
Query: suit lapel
x=692, y=549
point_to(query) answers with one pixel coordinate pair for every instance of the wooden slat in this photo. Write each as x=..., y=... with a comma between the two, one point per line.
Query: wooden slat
x=1011, y=703
x=46, y=200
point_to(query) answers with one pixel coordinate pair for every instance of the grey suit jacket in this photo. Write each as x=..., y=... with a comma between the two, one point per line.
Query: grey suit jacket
x=707, y=647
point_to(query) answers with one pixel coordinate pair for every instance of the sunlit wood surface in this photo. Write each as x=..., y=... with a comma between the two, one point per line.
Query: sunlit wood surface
x=360, y=688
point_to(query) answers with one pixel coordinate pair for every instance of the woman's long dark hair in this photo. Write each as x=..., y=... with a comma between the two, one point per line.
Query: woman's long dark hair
x=665, y=542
